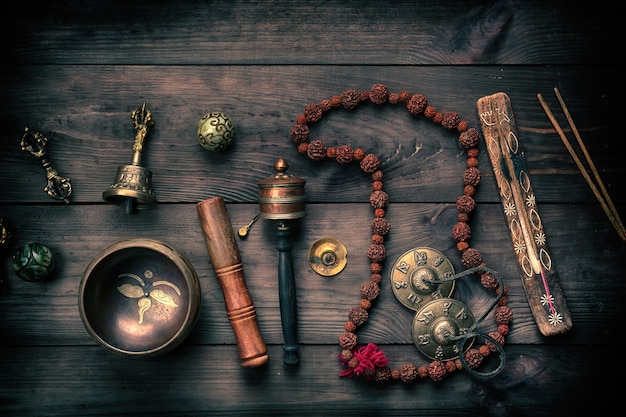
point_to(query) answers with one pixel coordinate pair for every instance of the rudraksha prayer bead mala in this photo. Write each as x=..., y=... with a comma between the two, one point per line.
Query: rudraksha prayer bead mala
x=368, y=361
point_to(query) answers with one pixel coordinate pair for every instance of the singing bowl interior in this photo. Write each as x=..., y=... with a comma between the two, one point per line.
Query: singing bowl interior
x=139, y=297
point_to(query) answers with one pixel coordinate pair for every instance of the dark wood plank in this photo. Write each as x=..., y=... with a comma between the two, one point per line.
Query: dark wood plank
x=207, y=380
x=91, y=133
x=316, y=32
x=77, y=233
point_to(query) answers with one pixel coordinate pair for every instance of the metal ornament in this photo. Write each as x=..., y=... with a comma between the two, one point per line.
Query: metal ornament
x=132, y=185
x=412, y=275
x=58, y=187
x=328, y=256
x=33, y=261
x=282, y=198
x=215, y=131
x=438, y=326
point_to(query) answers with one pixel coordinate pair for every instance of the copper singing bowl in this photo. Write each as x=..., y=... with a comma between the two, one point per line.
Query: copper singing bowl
x=139, y=297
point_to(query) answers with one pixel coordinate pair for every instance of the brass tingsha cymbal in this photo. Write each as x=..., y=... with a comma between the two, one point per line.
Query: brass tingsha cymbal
x=328, y=257
x=412, y=275
x=437, y=326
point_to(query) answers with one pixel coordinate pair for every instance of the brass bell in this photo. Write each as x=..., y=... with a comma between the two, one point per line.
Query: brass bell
x=132, y=185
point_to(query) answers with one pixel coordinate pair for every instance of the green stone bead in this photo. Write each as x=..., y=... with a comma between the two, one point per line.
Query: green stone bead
x=215, y=131
x=33, y=262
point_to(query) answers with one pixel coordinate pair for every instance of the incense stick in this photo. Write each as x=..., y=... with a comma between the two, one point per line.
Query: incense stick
x=602, y=195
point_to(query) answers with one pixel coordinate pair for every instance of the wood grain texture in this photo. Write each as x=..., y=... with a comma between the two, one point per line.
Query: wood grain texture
x=75, y=70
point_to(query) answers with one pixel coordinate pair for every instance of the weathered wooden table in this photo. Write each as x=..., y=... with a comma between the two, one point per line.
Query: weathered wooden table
x=74, y=71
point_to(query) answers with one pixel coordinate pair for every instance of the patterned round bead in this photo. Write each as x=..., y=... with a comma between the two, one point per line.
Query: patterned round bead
x=215, y=131
x=33, y=262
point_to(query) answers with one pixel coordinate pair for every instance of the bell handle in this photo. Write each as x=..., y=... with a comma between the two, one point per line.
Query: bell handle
x=143, y=122
x=226, y=261
x=287, y=295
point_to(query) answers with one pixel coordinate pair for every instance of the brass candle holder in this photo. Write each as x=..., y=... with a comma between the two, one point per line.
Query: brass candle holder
x=132, y=185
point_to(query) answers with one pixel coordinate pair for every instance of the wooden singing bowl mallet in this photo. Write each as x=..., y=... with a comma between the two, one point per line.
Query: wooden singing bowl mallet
x=226, y=261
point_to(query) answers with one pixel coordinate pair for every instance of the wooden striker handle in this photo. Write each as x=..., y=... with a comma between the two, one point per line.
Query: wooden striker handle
x=226, y=261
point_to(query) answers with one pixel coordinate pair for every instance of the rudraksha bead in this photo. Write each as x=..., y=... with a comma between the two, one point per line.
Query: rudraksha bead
x=379, y=199
x=417, y=104
x=437, y=370
x=316, y=150
x=349, y=326
x=370, y=163
x=348, y=340
x=370, y=290
x=380, y=226
x=359, y=154
x=498, y=337
x=365, y=304
x=469, y=138
x=358, y=315
x=383, y=374
x=450, y=366
x=471, y=176
x=450, y=120
x=377, y=278
x=345, y=154
x=377, y=253
x=378, y=239
x=503, y=315
x=299, y=133
x=430, y=112
x=404, y=96
x=465, y=204
x=484, y=350
x=461, y=232
x=471, y=258
x=473, y=358
x=408, y=372
x=313, y=112
x=347, y=354
x=350, y=98
x=489, y=281
x=379, y=94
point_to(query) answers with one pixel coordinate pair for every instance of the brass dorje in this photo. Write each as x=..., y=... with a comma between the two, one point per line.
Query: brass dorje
x=58, y=187
x=132, y=185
